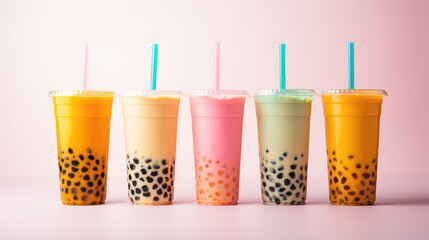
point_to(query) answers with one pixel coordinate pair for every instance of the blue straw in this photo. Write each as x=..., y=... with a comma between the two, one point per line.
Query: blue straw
x=154, y=66
x=351, y=65
x=282, y=66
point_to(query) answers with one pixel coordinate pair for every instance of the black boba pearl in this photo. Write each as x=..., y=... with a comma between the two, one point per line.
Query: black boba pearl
x=136, y=198
x=293, y=166
x=84, y=169
x=273, y=162
x=301, y=177
x=86, y=177
x=75, y=169
x=278, y=185
x=289, y=193
x=84, y=198
x=281, y=168
x=164, y=162
x=149, y=179
x=102, y=175
x=154, y=173
x=273, y=170
x=333, y=152
x=305, y=167
x=343, y=180
x=75, y=197
x=145, y=188
x=285, y=154
x=292, y=187
x=300, y=168
x=71, y=175
x=277, y=200
x=295, y=158
x=280, y=175
x=156, y=166
x=165, y=171
x=366, y=167
x=89, y=150
x=83, y=189
x=264, y=184
x=91, y=157
x=132, y=166
x=165, y=195
x=297, y=194
x=287, y=182
x=267, y=150
x=171, y=169
x=99, y=182
x=335, y=179
x=129, y=177
x=138, y=191
x=62, y=180
x=292, y=202
x=149, y=167
x=302, y=154
x=64, y=171
x=366, y=175
x=97, y=193
x=66, y=165
x=102, y=189
x=95, y=168
x=358, y=165
x=146, y=194
x=90, y=191
x=156, y=199
x=132, y=191
x=265, y=169
x=93, y=203
x=292, y=175
x=159, y=180
x=136, y=175
x=272, y=189
x=61, y=168
x=141, y=179
x=75, y=163
x=159, y=192
x=301, y=184
x=155, y=186
x=70, y=151
x=267, y=194
x=346, y=187
x=90, y=184
x=143, y=171
x=66, y=190
x=97, y=161
x=169, y=188
x=148, y=160
x=164, y=186
x=136, y=161
x=68, y=183
x=77, y=184
x=281, y=158
x=81, y=157
x=282, y=189
x=134, y=183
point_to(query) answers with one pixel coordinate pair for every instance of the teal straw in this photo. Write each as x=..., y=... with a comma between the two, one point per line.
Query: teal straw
x=154, y=66
x=282, y=66
x=351, y=65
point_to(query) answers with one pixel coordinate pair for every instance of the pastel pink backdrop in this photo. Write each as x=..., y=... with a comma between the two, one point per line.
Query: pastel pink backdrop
x=40, y=51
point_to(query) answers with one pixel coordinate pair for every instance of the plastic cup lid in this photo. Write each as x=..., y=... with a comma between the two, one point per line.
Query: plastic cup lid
x=149, y=92
x=81, y=93
x=229, y=93
x=354, y=92
x=283, y=92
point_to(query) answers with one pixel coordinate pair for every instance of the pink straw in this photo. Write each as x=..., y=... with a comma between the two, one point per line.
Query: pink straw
x=216, y=66
x=84, y=65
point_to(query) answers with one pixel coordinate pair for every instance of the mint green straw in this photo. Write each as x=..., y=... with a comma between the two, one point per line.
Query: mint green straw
x=154, y=66
x=351, y=65
x=282, y=66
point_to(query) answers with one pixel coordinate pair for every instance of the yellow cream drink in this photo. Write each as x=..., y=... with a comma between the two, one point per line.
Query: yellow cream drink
x=283, y=118
x=150, y=120
x=83, y=129
x=352, y=121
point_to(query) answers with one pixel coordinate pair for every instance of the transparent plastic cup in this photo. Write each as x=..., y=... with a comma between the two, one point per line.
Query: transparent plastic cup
x=217, y=122
x=83, y=130
x=150, y=122
x=352, y=122
x=283, y=118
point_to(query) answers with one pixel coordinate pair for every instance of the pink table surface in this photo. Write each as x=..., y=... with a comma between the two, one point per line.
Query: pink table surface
x=30, y=208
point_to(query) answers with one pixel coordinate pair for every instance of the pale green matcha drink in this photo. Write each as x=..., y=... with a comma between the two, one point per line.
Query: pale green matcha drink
x=283, y=117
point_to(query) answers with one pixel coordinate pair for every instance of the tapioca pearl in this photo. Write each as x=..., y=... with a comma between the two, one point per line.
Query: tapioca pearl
x=132, y=166
x=90, y=191
x=333, y=192
x=335, y=180
x=273, y=162
x=356, y=199
x=330, y=181
x=289, y=193
x=354, y=175
x=366, y=175
x=372, y=174
x=292, y=187
x=346, y=187
x=272, y=189
x=66, y=165
x=143, y=171
x=340, y=173
x=334, y=168
x=74, y=169
x=346, y=198
x=149, y=179
x=90, y=184
x=171, y=169
x=134, y=183
x=358, y=166
x=99, y=182
x=343, y=180
x=301, y=168
x=71, y=175
x=70, y=151
x=301, y=177
x=303, y=188
x=146, y=194
x=339, y=192
x=77, y=184
x=292, y=175
x=287, y=181
x=351, y=193
x=301, y=184
x=277, y=185
x=293, y=166
x=83, y=189
x=169, y=189
x=265, y=169
x=373, y=160
x=91, y=157
x=367, y=166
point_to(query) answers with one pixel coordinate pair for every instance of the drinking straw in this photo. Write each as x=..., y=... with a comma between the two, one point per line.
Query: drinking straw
x=282, y=65
x=154, y=66
x=351, y=65
x=84, y=65
x=216, y=66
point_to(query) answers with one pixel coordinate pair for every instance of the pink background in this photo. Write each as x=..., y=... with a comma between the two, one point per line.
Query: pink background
x=40, y=51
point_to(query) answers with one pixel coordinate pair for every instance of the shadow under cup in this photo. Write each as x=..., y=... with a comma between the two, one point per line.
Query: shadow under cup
x=352, y=122
x=217, y=122
x=83, y=129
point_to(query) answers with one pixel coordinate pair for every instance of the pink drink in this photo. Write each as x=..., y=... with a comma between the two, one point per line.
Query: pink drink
x=217, y=121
